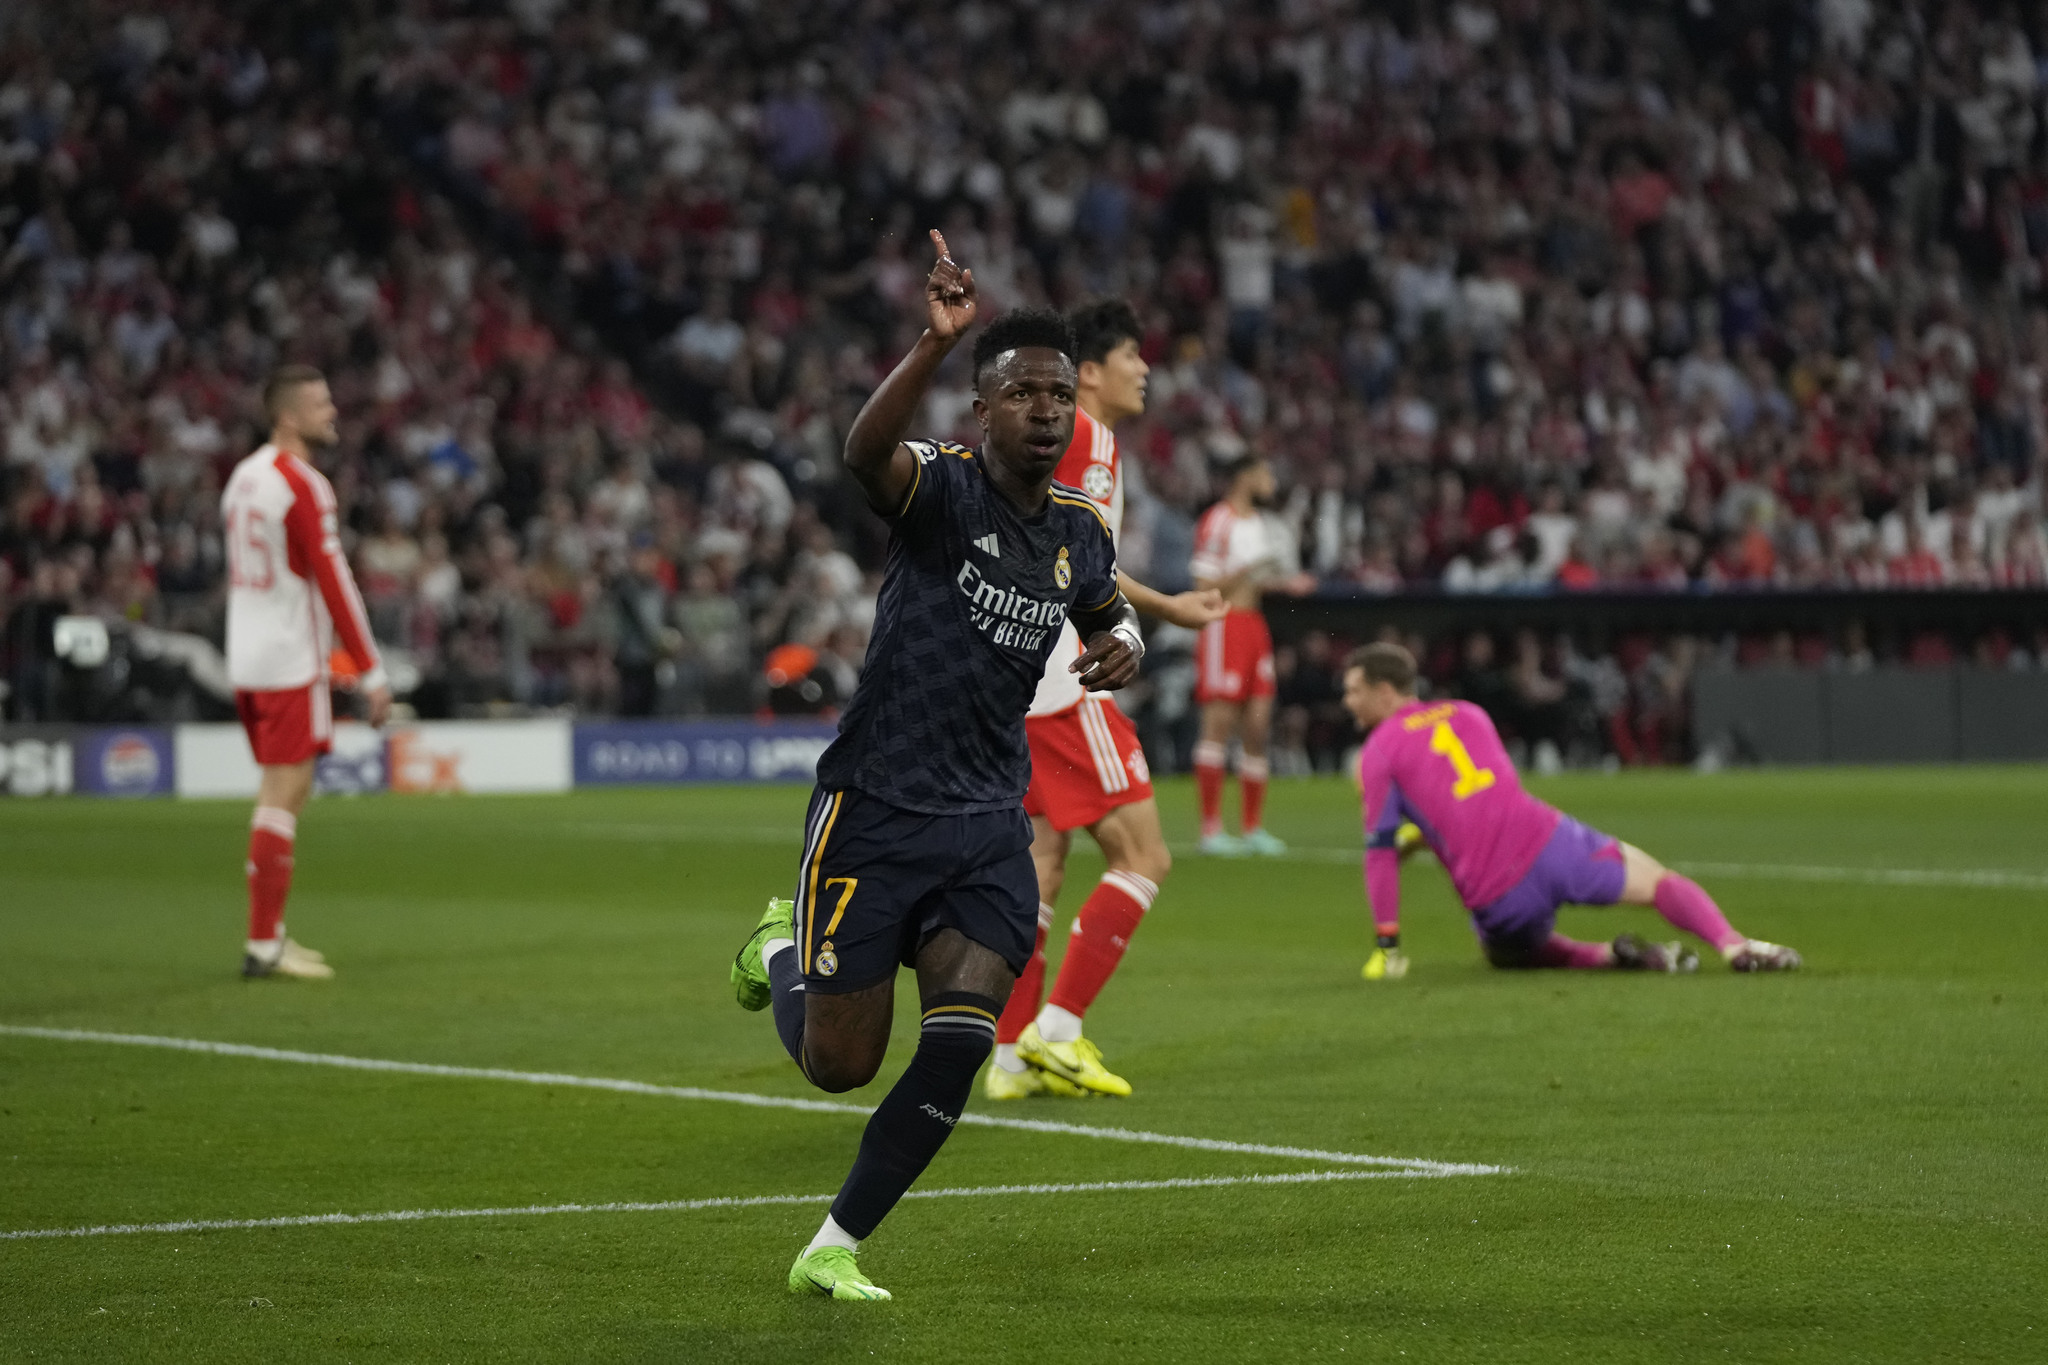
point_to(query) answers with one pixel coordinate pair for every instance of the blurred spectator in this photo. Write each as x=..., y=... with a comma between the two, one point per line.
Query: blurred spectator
x=643, y=642
x=1310, y=728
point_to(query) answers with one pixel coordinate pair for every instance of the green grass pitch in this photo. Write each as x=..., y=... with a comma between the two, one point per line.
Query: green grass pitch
x=1846, y=1164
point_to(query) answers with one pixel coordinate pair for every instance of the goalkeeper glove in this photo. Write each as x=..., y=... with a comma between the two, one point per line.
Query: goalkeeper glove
x=1388, y=962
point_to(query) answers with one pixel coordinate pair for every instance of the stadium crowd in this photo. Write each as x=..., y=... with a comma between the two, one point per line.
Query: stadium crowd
x=1514, y=296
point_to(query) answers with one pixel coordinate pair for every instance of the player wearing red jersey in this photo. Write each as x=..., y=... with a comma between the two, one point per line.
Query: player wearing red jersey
x=1087, y=768
x=1238, y=553
x=290, y=597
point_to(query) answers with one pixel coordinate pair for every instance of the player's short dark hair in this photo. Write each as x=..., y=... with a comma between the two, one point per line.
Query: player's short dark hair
x=1384, y=662
x=1018, y=328
x=282, y=381
x=1229, y=470
x=1102, y=326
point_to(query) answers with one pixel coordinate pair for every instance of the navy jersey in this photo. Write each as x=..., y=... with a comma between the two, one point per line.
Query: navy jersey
x=971, y=607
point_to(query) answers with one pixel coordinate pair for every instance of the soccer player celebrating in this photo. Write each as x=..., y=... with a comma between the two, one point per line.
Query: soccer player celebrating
x=290, y=595
x=916, y=848
x=1087, y=768
x=1512, y=858
x=1236, y=554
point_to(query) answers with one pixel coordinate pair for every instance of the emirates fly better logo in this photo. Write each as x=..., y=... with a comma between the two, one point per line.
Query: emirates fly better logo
x=1010, y=618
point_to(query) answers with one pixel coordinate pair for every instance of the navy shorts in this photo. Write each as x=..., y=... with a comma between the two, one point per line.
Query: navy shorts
x=1578, y=866
x=877, y=881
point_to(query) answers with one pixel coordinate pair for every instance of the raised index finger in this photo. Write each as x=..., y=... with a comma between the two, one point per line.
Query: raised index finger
x=939, y=241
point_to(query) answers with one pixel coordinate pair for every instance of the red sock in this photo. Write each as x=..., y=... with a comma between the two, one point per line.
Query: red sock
x=1023, y=1006
x=1102, y=931
x=1681, y=901
x=271, y=834
x=1251, y=781
x=1209, y=756
x=1569, y=952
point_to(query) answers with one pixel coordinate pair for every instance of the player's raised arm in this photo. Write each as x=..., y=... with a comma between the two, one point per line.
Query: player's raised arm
x=875, y=454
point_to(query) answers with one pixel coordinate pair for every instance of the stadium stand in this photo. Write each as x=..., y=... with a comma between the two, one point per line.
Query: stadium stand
x=1516, y=297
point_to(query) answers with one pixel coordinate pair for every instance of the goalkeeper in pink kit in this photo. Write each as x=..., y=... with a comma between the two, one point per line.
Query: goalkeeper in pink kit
x=1514, y=860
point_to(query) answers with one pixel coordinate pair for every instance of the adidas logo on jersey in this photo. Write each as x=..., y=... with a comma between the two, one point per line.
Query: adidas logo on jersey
x=987, y=545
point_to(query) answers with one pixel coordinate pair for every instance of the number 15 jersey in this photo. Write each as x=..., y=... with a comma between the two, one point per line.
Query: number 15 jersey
x=290, y=592
x=1442, y=766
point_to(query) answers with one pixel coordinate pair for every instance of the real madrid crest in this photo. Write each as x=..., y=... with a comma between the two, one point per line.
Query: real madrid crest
x=1062, y=571
x=827, y=960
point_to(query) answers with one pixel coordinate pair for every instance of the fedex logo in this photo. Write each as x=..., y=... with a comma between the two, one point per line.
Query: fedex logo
x=415, y=767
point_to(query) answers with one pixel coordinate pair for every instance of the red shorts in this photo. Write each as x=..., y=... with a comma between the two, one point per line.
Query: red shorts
x=288, y=726
x=1234, y=658
x=1085, y=762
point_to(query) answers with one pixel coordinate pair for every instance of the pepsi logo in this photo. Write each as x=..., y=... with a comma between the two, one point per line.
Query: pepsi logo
x=129, y=763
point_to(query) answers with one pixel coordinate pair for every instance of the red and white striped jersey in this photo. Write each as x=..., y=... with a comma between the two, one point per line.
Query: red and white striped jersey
x=290, y=592
x=1228, y=544
x=1093, y=465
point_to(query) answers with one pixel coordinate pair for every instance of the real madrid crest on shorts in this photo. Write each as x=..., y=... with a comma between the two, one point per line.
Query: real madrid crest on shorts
x=1062, y=571
x=827, y=961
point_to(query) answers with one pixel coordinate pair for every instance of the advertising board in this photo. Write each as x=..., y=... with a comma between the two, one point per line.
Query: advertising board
x=62, y=760
x=623, y=753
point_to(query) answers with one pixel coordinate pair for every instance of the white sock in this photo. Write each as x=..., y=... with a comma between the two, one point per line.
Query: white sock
x=1007, y=1058
x=832, y=1235
x=265, y=949
x=772, y=947
x=1056, y=1025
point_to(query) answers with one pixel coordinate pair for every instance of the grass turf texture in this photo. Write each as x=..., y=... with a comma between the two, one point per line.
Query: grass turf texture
x=1839, y=1165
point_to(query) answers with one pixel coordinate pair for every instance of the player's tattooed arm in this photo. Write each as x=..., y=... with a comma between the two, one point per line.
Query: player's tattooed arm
x=1190, y=609
x=875, y=454
x=1114, y=645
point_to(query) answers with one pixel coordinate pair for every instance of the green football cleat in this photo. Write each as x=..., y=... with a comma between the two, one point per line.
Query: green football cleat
x=1023, y=1085
x=749, y=973
x=1223, y=845
x=1077, y=1063
x=1264, y=843
x=831, y=1271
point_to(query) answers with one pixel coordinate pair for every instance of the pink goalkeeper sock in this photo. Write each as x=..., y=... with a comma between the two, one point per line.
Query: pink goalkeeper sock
x=1569, y=952
x=1680, y=900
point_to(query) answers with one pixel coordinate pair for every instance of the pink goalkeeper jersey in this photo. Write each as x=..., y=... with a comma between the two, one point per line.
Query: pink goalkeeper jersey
x=1441, y=765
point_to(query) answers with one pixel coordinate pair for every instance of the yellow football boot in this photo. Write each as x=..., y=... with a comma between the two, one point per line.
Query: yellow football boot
x=1077, y=1063
x=1000, y=1084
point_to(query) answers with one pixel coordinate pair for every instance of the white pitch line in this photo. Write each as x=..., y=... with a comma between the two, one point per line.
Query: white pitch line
x=1991, y=878
x=308, y=1220
x=690, y=1092
x=1871, y=876
x=1876, y=876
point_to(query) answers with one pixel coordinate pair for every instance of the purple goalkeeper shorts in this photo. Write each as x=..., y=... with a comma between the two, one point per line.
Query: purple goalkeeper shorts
x=1579, y=866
